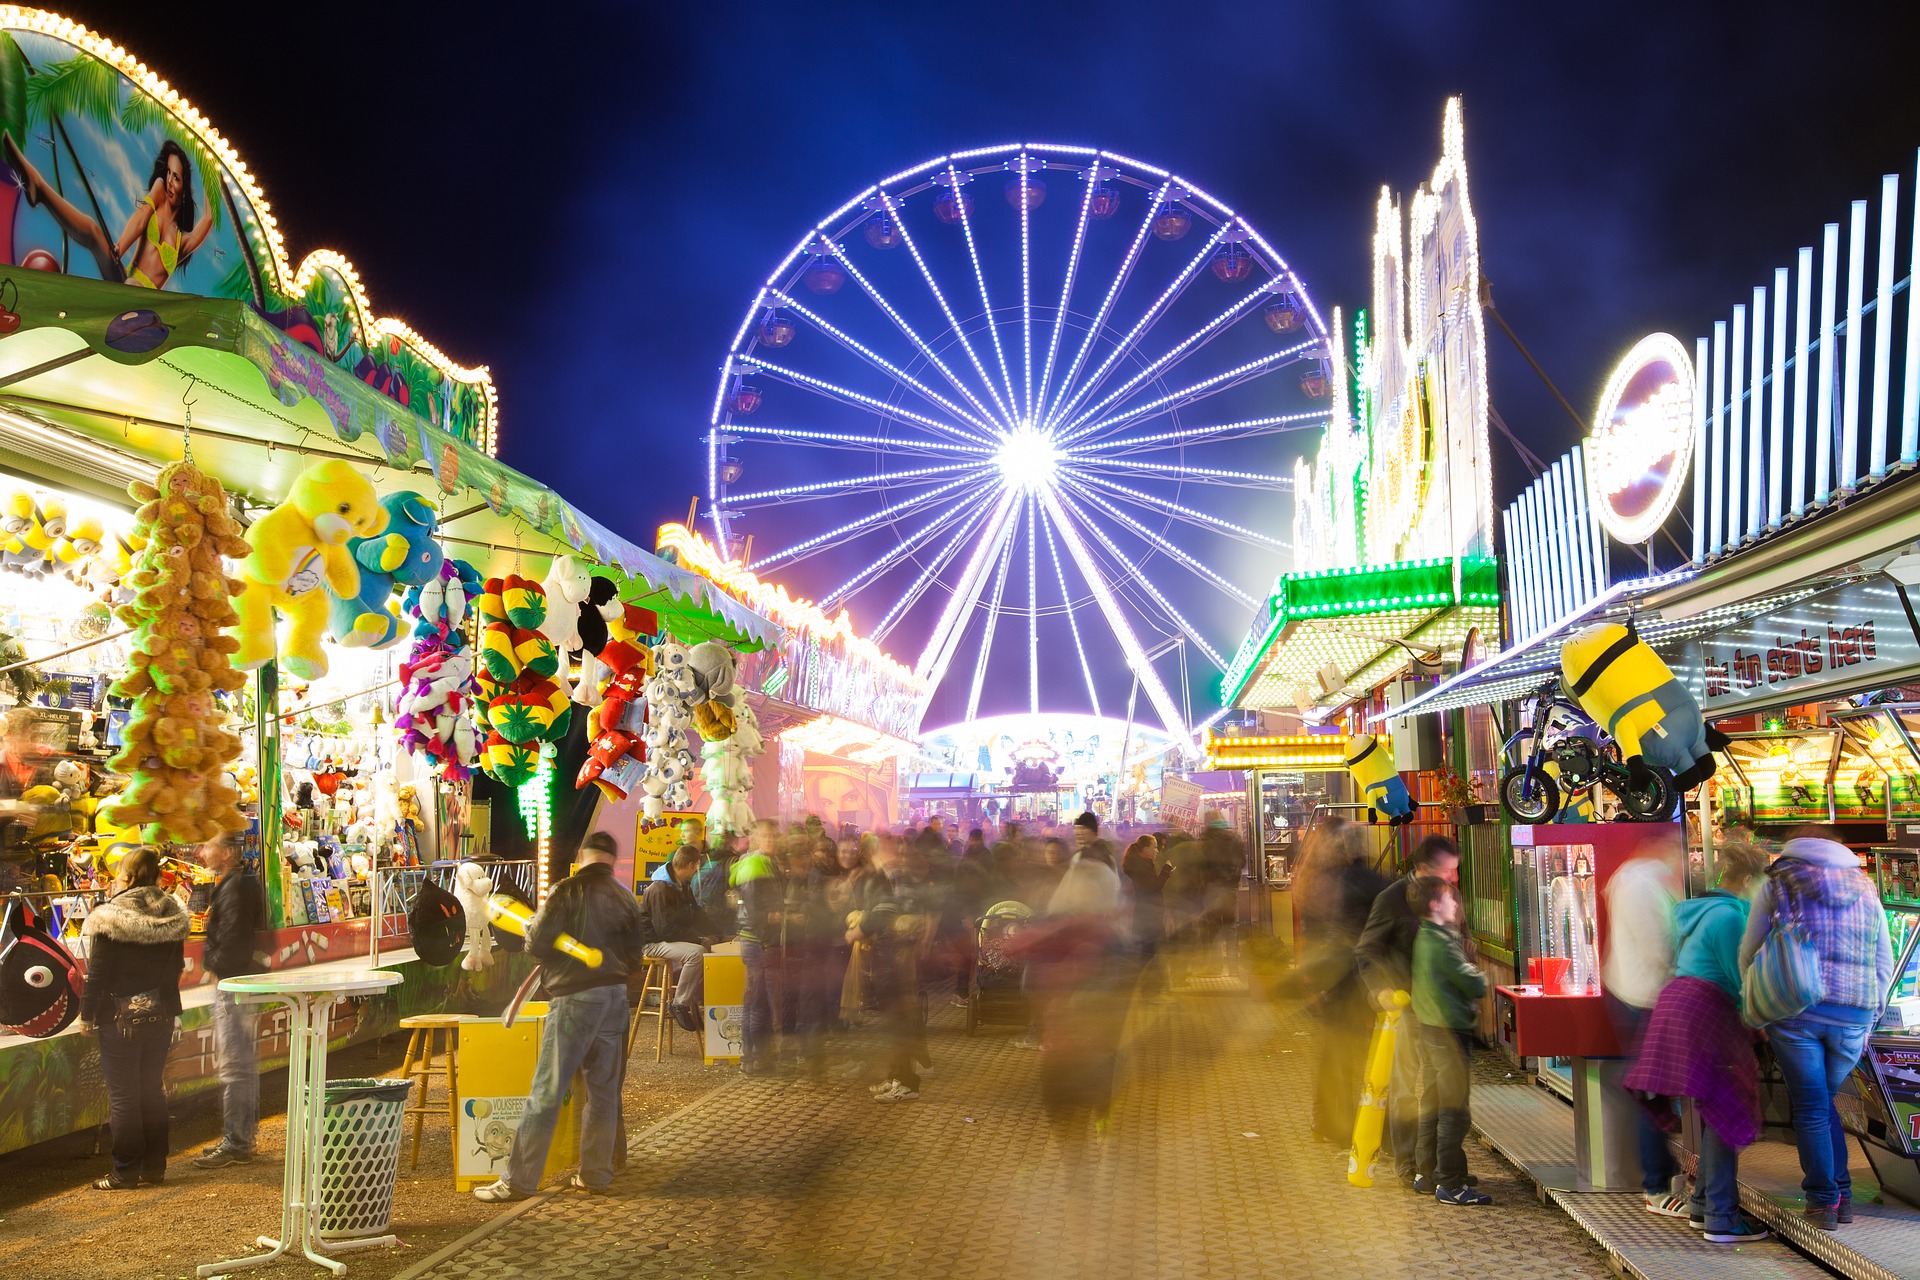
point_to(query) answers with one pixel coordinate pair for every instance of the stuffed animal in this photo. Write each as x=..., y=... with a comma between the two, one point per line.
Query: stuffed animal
x=175, y=745
x=78, y=546
x=405, y=555
x=1370, y=762
x=520, y=704
x=292, y=550
x=1631, y=694
x=433, y=712
x=567, y=586
x=439, y=606
x=40, y=984
x=37, y=525
x=473, y=886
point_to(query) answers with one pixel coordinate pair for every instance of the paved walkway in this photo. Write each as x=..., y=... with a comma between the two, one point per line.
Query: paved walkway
x=1209, y=1172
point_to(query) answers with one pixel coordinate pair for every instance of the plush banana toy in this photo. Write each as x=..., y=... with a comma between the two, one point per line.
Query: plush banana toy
x=1631, y=694
x=1370, y=762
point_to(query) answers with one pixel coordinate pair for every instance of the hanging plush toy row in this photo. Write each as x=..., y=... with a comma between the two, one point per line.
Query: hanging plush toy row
x=434, y=710
x=519, y=702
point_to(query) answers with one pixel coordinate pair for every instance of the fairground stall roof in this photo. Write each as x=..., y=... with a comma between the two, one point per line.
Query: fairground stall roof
x=147, y=305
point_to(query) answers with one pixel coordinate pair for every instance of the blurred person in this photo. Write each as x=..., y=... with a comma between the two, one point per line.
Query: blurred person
x=1447, y=989
x=1637, y=966
x=969, y=897
x=585, y=1030
x=756, y=880
x=710, y=884
x=896, y=928
x=1341, y=886
x=1819, y=880
x=1385, y=954
x=1087, y=842
x=136, y=952
x=1149, y=881
x=678, y=931
x=1697, y=1047
x=236, y=919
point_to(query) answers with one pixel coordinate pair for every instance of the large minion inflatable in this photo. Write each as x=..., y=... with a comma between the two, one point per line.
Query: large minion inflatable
x=1370, y=761
x=1629, y=691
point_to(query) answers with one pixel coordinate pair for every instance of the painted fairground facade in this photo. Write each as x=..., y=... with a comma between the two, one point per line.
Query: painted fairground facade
x=110, y=174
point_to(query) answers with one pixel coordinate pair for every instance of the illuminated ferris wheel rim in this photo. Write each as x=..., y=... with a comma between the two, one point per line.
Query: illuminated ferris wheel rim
x=1044, y=446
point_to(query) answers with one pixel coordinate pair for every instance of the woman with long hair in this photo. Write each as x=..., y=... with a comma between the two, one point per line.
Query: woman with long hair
x=136, y=944
x=166, y=227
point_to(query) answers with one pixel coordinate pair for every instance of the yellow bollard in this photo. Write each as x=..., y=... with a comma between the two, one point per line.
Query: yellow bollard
x=514, y=916
x=1372, y=1120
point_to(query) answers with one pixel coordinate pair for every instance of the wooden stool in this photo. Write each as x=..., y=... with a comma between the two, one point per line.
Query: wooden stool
x=434, y=1035
x=652, y=968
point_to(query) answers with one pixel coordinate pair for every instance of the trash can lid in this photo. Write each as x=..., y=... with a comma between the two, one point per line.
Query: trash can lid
x=340, y=1092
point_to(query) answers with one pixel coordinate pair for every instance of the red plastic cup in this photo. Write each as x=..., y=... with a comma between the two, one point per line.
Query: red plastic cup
x=1533, y=971
x=1553, y=975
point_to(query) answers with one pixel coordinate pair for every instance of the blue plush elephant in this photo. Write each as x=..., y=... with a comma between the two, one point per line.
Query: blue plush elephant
x=404, y=556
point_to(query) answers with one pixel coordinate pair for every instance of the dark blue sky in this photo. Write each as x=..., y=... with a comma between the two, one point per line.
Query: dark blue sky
x=587, y=203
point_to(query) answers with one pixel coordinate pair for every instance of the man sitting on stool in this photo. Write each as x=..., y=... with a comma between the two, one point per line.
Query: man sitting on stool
x=679, y=932
x=586, y=1024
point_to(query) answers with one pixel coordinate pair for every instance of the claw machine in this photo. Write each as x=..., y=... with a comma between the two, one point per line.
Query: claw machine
x=1888, y=1077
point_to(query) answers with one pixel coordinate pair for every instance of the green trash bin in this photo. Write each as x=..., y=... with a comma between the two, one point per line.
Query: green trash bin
x=360, y=1156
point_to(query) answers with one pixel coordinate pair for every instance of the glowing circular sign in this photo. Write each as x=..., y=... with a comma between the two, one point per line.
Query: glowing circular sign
x=1641, y=448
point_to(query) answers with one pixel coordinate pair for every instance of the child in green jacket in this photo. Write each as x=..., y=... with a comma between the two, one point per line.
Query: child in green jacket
x=1447, y=988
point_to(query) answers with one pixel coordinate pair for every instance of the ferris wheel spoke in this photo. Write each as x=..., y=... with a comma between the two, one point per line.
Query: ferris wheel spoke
x=1169, y=548
x=938, y=653
x=1066, y=288
x=1145, y=323
x=1139, y=580
x=1026, y=291
x=847, y=590
x=974, y=523
x=880, y=362
x=806, y=438
x=1205, y=475
x=1106, y=303
x=853, y=528
x=993, y=625
x=846, y=395
x=1073, y=625
x=980, y=279
x=1033, y=610
x=1220, y=432
x=832, y=488
x=1200, y=518
x=927, y=353
x=1116, y=617
x=953, y=321
x=1190, y=394
x=1198, y=339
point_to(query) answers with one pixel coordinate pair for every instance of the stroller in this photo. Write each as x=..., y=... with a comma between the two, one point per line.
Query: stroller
x=994, y=994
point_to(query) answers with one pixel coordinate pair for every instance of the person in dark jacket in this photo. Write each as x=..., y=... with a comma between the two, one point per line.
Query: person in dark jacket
x=679, y=932
x=586, y=1023
x=136, y=952
x=1336, y=895
x=235, y=920
x=1385, y=952
x=1447, y=990
x=1149, y=881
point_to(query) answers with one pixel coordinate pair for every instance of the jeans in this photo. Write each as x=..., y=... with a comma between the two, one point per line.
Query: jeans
x=756, y=1036
x=586, y=1030
x=1716, y=1193
x=1816, y=1050
x=1441, y=1152
x=236, y=1029
x=134, y=1067
x=689, y=962
x=1409, y=1096
x=1657, y=1165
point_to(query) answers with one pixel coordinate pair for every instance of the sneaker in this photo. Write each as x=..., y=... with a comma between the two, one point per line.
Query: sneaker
x=883, y=1087
x=1670, y=1205
x=219, y=1156
x=1824, y=1216
x=897, y=1093
x=1698, y=1224
x=1422, y=1186
x=577, y=1183
x=684, y=1018
x=1462, y=1195
x=959, y=1002
x=1741, y=1232
x=1025, y=1042
x=1843, y=1212
x=497, y=1193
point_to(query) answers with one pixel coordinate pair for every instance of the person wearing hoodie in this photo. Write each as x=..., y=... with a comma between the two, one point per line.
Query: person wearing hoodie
x=1696, y=1046
x=136, y=952
x=1820, y=879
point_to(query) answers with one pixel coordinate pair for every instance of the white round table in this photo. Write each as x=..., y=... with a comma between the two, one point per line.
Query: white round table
x=310, y=995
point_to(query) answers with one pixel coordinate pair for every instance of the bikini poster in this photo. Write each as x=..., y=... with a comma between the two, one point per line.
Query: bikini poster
x=107, y=174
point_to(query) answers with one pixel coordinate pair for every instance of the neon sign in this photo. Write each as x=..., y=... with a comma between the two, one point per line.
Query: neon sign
x=1642, y=443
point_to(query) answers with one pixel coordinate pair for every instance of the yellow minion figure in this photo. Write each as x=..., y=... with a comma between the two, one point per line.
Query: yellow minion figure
x=1622, y=683
x=1370, y=762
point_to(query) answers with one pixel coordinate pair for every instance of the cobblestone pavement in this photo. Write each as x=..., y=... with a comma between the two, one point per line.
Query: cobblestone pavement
x=1209, y=1172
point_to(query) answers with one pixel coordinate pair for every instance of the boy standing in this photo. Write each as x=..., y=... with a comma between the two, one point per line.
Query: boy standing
x=1447, y=989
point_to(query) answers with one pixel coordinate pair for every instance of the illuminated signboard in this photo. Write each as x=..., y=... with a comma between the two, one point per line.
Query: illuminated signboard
x=1642, y=443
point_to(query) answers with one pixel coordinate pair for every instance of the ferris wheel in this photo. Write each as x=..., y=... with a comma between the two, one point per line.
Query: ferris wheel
x=1024, y=398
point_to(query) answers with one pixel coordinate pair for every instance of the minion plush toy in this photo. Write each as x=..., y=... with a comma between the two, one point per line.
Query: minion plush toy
x=1370, y=761
x=1631, y=694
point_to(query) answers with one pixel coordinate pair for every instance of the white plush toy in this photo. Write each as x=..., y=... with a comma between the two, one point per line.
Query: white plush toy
x=654, y=803
x=711, y=665
x=472, y=886
x=566, y=584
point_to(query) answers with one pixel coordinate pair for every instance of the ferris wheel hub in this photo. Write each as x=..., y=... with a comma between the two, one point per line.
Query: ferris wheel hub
x=1029, y=458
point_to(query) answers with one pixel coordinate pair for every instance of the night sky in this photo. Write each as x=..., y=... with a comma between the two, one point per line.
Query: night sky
x=584, y=197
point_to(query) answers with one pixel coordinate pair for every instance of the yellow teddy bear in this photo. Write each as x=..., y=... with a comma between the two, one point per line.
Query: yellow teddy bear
x=295, y=547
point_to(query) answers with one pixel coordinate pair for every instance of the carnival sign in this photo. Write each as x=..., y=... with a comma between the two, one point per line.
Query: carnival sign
x=1642, y=443
x=1856, y=637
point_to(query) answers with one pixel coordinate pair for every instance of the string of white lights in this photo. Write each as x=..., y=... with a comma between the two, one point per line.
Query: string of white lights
x=1066, y=288
x=1170, y=548
x=1241, y=532
x=1139, y=579
x=938, y=653
x=960, y=205
x=912, y=335
x=1311, y=421
x=1186, y=347
x=927, y=574
x=847, y=440
x=1026, y=285
x=1073, y=624
x=1202, y=475
x=834, y=390
x=953, y=321
x=993, y=625
x=1033, y=611
x=852, y=527
x=1098, y=324
x=824, y=487
x=859, y=348
x=851, y=587
x=1189, y=394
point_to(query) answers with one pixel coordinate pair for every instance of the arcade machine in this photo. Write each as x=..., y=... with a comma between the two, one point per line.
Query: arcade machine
x=1888, y=1077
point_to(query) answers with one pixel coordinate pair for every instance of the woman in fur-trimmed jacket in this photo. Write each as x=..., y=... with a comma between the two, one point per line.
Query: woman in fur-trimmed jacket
x=135, y=954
